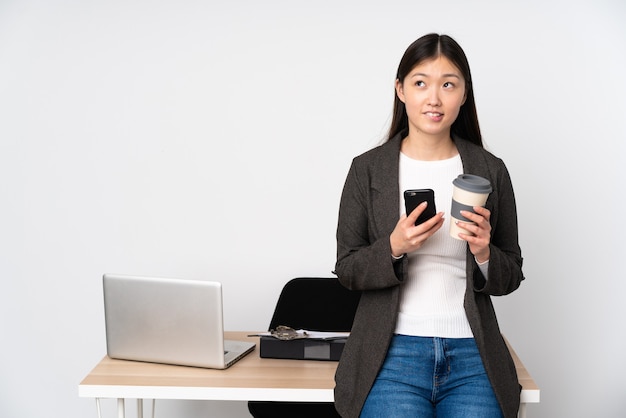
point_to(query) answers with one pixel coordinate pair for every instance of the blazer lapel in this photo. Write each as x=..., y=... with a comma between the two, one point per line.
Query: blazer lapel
x=471, y=157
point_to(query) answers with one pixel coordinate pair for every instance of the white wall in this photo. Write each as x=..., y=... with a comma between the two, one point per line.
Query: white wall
x=210, y=139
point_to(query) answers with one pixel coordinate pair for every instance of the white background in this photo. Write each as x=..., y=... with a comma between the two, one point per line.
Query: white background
x=211, y=139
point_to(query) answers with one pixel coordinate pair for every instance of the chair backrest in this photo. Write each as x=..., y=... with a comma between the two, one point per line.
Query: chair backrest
x=317, y=304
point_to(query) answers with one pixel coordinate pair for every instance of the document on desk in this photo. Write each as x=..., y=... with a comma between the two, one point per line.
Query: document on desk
x=312, y=335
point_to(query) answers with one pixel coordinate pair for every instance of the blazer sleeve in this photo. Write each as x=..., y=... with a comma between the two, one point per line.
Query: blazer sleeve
x=364, y=259
x=505, y=262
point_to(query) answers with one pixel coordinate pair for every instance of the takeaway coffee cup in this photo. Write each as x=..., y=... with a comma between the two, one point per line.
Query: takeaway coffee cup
x=468, y=191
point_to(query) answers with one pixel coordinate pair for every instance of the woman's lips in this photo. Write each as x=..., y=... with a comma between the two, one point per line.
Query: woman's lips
x=436, y=116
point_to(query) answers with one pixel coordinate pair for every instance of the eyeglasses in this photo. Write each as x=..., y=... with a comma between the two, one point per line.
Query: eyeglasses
x=286, y=333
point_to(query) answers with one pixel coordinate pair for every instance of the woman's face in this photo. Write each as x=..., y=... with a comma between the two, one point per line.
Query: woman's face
x=433, y=93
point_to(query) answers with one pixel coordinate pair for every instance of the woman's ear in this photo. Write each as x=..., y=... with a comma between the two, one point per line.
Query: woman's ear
x=400, y=90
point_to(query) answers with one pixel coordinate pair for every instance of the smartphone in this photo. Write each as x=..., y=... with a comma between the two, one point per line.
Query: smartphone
x=412, y=198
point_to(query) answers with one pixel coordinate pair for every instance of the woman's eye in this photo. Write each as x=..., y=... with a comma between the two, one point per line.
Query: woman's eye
x=448, y=84
x=420, y=83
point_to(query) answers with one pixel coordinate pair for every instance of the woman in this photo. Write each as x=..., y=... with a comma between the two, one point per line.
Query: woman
x=425, y=340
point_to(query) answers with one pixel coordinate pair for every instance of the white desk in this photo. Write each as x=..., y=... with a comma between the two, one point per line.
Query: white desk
x=251, y=378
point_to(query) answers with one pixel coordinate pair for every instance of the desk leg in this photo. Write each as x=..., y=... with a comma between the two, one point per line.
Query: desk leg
x=121, y=413
x=120, y=408
x=522, y=411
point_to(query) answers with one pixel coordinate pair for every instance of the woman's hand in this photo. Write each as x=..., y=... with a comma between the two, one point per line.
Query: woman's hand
x=406, y=237
x=479, y=235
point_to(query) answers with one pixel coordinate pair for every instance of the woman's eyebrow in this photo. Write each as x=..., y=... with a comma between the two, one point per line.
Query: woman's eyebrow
x=447, y=75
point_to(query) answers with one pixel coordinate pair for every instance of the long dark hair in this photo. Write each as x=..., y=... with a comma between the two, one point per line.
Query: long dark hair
x=432, y=46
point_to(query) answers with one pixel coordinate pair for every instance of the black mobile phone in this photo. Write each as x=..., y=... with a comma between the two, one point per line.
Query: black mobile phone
x=412, y=198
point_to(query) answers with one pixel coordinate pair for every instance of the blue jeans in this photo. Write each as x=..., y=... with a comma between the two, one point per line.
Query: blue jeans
x=426, y=377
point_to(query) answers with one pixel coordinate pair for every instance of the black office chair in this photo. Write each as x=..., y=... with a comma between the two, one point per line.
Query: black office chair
x=320, y=304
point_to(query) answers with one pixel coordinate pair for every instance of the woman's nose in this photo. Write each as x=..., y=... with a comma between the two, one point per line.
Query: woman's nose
x=433, y=97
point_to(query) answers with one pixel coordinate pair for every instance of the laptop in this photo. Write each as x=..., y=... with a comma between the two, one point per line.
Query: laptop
x=171, y=321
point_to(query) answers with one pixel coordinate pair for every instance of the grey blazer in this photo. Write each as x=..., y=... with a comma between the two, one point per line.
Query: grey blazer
x=368, y=214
